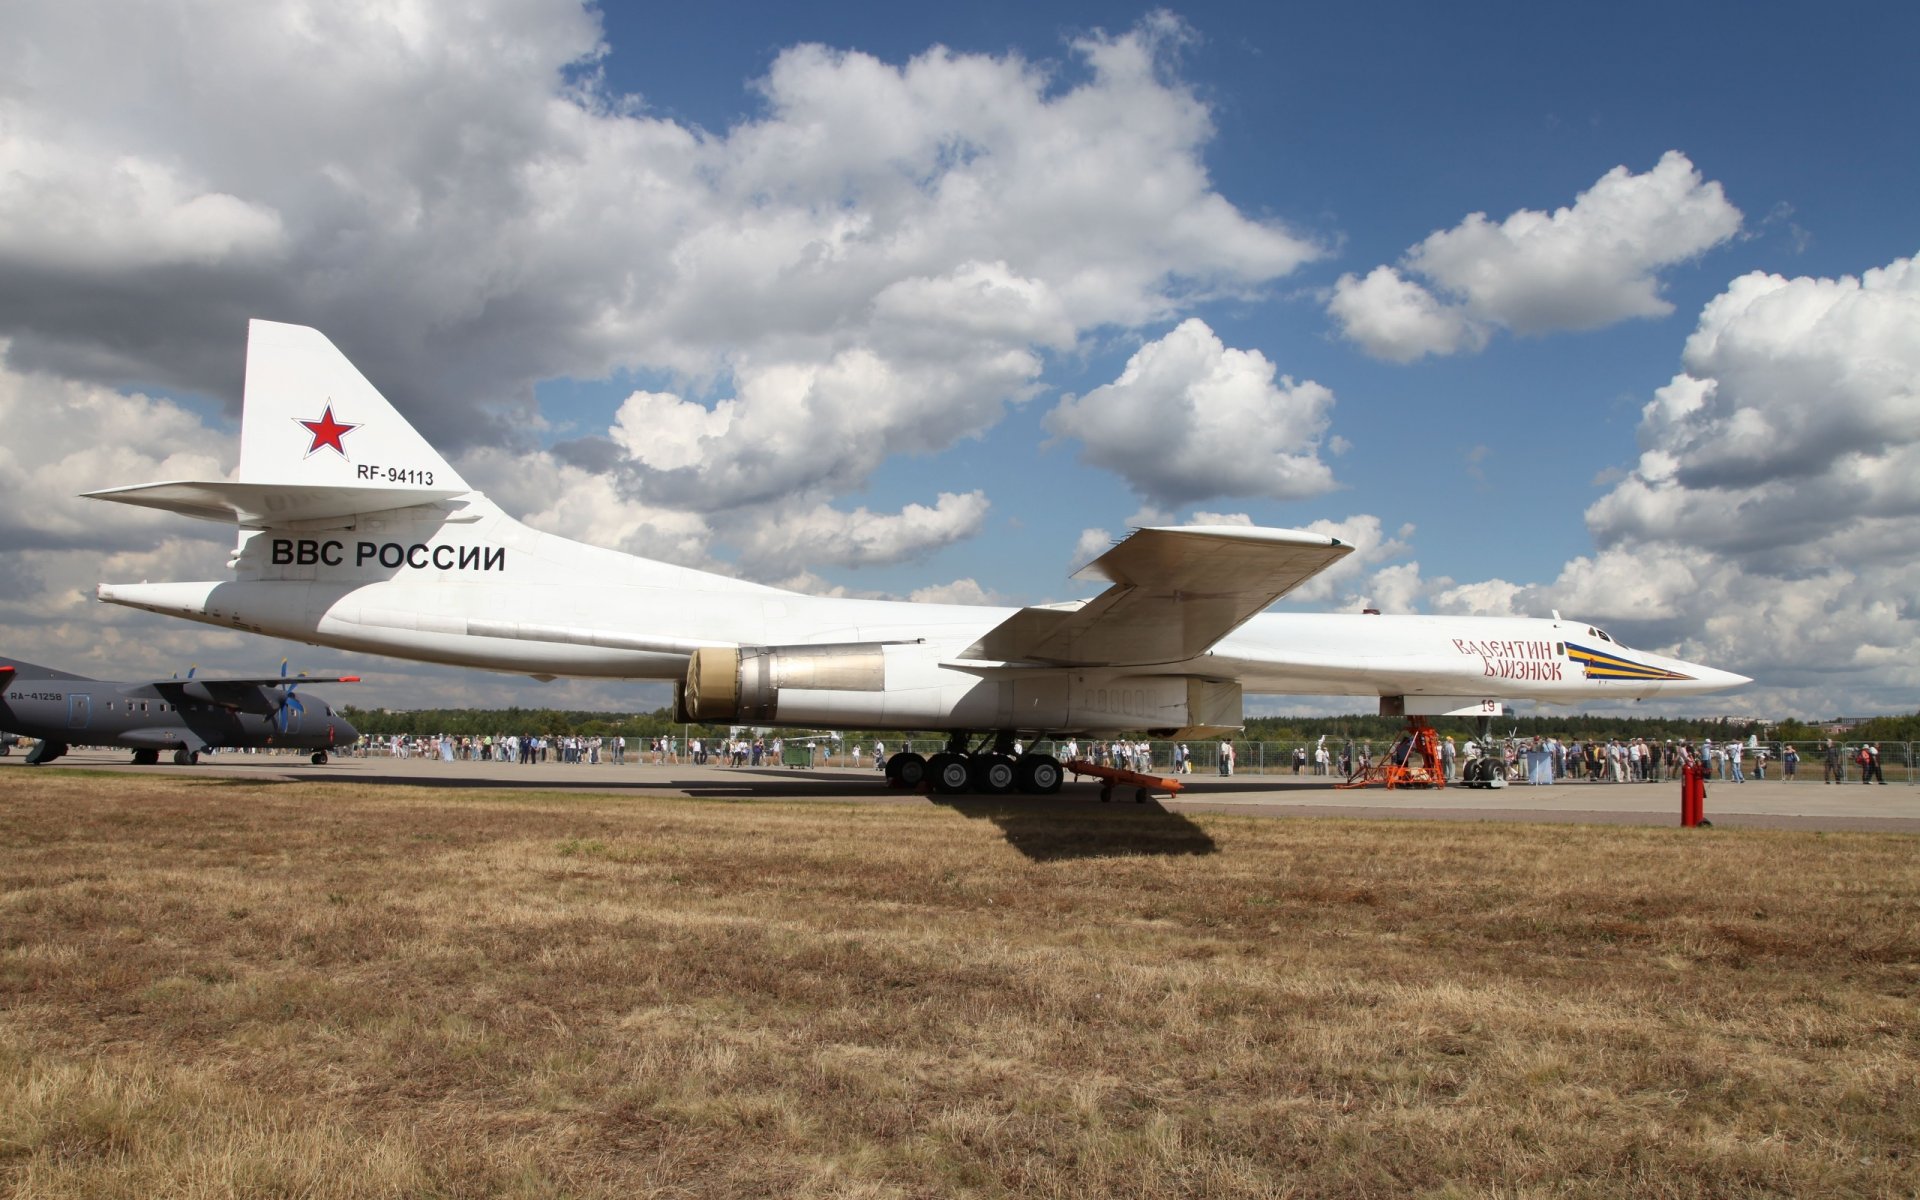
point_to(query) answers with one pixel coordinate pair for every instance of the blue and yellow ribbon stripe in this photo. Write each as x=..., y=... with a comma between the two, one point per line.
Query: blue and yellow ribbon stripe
x=1602, y=665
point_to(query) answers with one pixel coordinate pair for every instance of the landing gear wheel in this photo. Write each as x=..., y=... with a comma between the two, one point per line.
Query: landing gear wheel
x=950, y=774
x=1139, y=795
x=319, y=758
x=1106, y=793
x=145, y=758
x=1039, y=774
x=906, y=770
x=993, y=774
x=184, y=758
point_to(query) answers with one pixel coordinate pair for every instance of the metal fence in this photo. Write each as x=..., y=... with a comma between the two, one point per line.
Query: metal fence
x=1898, y=762
x=1767, y=760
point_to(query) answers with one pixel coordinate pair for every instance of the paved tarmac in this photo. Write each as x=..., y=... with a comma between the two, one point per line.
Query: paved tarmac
x=1805, y=803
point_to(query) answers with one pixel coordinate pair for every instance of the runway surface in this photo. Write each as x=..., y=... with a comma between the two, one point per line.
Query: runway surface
x=1802, y=804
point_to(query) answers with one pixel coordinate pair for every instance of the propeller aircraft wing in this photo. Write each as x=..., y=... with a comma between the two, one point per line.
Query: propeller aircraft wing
x=241, y=693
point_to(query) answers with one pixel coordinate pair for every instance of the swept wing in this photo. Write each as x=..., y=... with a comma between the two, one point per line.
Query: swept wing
x=1175, y=592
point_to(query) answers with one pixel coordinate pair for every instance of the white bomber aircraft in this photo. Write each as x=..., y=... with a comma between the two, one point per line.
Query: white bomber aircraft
x=355, y=533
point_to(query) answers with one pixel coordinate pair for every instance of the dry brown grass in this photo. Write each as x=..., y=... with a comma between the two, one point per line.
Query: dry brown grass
x=215, y=989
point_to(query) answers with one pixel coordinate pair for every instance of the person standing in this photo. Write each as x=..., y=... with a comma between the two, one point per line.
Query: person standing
x=1870, y=763
x=1449, y=761
x=1789, y=762
x=1836, y=764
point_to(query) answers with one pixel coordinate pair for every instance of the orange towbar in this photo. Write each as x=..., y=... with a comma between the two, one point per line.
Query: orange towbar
x=1111, y=777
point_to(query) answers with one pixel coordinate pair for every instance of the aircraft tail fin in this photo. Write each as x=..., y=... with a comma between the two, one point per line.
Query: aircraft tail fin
x=317, y=442
x=12, y=669
x=309, y=417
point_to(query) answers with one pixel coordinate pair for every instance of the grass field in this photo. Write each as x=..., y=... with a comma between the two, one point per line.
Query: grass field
x=327, y=990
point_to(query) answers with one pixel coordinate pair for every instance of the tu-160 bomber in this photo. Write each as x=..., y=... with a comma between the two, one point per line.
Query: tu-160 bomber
x=183, y=717
x=353, y=532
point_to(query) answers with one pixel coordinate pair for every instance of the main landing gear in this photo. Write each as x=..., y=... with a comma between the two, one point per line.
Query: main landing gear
x=958, y=769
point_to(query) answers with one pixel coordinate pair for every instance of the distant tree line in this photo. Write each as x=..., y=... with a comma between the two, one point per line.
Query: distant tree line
x=1361, y=727
x=1580, y=726
x=548, y=722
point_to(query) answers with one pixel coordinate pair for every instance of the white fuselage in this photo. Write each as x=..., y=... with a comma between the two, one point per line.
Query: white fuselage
x=465, y=584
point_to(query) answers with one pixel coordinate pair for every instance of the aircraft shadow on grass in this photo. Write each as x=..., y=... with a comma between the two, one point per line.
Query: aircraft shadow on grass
x=1070, y=826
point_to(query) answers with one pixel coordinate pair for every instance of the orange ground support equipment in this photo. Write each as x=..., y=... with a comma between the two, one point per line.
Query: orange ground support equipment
x=1112, y=777
x=1420, y=766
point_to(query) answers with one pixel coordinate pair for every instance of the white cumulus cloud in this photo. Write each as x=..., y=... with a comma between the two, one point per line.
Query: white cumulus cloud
x=1191, y=418
x=876, y=261
x=1771, y=524
x=1592, y=264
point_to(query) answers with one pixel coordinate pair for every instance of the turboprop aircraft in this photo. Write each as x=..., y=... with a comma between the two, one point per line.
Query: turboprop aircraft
x=184, y=716
x=355, y=533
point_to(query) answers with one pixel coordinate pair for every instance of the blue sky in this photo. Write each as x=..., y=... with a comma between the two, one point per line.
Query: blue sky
x=799, y=295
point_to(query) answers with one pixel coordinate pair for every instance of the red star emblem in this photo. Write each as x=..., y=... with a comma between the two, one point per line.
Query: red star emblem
x=327, y=432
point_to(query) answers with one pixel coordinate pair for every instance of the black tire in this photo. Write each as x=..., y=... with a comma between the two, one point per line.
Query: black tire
x=181, y=758
x=1040, y=774
x=319, y=758
x=907, y=770
x=994, y=774
x=950, y=773
x=145, y=758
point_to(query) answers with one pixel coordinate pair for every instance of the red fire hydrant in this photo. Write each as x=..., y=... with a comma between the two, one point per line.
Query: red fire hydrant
x=1693, y=795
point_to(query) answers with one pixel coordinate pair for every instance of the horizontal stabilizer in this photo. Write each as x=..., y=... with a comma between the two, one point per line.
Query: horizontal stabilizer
x=1176, y=591
x=266, y=505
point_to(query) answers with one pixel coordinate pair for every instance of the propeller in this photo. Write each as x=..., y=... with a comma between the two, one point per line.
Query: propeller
x=288, y=701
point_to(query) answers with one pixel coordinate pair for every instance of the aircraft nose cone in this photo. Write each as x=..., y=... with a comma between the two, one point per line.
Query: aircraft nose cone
x=1711, y=679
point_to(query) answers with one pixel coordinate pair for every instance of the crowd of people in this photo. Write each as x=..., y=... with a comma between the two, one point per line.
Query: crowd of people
x=1648, y=760
x=1542, y=759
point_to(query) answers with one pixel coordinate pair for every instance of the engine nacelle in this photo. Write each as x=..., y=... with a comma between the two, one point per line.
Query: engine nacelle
x=911, y=685
x=744, y=685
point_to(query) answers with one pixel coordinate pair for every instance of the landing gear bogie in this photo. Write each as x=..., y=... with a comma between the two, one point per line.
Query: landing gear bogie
x=960, y=769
